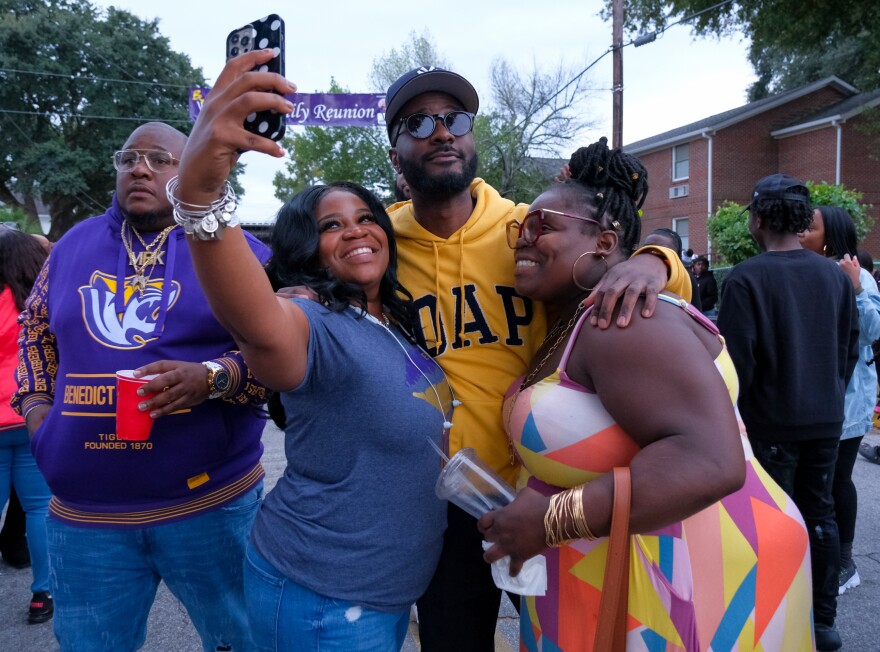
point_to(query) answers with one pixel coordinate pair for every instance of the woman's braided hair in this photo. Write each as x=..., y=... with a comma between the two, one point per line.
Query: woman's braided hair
x=616, y=184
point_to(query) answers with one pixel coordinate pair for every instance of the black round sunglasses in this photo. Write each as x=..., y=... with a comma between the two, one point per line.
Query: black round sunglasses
x=423, y=125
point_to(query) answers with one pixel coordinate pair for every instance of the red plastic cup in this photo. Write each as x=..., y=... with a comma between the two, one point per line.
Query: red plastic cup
x=131, y=423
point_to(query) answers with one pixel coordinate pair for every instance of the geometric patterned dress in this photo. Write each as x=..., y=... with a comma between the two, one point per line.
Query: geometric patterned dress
x=733, y=577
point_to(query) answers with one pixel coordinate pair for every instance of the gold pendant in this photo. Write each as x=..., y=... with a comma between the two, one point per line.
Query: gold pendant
x=146, y=258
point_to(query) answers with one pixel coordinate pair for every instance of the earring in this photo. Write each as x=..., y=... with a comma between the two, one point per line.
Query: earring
x=574, y=268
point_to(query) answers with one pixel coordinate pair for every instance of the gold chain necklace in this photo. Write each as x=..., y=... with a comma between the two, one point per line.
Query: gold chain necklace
x=556, y=343
x=149, y=257
x=158, y=239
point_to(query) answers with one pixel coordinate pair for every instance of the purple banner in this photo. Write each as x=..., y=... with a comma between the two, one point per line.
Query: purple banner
x=319, y=109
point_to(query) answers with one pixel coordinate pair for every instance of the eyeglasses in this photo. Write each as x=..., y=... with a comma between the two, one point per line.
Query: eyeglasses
x=422, y=125
x=532, y=226
x=126, y=160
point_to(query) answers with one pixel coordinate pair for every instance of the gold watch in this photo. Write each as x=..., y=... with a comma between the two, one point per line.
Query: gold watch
x=218, y=379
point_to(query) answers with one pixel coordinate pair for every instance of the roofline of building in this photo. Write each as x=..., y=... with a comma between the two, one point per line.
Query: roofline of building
x=828, y=121
x=708, y=129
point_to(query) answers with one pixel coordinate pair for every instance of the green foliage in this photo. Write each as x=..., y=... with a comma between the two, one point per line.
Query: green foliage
x=827, y=194
x=502, y=163
x=729, y=232
x=326, y=154
x=789, y=38
x=18, y=217
x=87, y=79
x=778, y=69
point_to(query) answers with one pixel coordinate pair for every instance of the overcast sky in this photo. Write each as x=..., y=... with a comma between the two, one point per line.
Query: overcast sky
x=668, y=83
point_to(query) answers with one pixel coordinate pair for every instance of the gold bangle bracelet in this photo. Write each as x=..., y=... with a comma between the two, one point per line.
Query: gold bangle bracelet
x=565, y=519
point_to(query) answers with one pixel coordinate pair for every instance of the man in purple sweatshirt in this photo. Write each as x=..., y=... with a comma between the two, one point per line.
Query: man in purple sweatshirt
x=119, y=292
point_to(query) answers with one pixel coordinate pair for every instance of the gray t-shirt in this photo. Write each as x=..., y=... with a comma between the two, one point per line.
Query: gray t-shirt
x=355, y=516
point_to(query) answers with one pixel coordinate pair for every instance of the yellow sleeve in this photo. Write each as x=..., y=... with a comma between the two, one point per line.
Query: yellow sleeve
x=679, y=280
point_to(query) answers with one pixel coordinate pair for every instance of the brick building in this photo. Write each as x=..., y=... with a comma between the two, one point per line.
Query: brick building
x=815, y=133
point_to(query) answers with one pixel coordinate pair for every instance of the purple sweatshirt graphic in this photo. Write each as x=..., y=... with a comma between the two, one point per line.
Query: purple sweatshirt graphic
x=85, y=320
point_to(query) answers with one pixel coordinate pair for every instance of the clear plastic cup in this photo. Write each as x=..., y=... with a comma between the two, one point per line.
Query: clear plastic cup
x=131, y=424
x=466, y=481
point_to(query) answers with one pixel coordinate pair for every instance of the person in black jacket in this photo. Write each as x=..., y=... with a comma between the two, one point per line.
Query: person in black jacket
x=706, y=286
x=791, y=324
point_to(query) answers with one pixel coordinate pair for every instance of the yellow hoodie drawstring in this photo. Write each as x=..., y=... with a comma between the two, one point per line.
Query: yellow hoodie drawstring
x=464, y=308
x=461, y=283
x=437, y=334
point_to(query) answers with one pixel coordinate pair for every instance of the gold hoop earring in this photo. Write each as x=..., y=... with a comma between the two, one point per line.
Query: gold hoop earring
x=574, y=268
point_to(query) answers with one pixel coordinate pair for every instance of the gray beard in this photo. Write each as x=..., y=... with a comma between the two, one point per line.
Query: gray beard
x=440, y=185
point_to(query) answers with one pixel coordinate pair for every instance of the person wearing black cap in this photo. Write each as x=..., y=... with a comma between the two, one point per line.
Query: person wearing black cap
x=453, y=256
x=790, y=320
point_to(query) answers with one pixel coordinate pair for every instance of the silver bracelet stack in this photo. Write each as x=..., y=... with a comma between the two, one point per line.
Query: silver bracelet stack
x=204, y=222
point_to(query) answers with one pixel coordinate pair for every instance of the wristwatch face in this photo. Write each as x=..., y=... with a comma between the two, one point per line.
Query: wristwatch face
x=221, y=381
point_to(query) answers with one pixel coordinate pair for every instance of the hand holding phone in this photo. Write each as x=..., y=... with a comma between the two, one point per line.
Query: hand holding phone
x=265, y=33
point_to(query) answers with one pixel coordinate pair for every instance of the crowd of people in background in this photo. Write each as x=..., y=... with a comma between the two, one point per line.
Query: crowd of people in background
x=452, y=316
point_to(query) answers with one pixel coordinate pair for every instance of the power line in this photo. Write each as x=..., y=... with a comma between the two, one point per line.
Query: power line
x=92, y=117
x=650, y=37
x=90, y=78
x=638, y=41
x=635, y=42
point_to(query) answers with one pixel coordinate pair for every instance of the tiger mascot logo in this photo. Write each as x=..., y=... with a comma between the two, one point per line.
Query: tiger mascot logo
x=136, y=324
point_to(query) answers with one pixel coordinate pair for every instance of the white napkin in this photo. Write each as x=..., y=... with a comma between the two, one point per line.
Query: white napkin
x=532, y=579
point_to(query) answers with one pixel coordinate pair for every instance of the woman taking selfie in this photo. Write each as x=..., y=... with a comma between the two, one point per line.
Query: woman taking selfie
x=351, y=534
x=718, y=554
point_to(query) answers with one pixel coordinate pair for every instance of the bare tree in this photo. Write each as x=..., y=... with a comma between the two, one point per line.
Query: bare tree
x=531, y=116
x=420, y=50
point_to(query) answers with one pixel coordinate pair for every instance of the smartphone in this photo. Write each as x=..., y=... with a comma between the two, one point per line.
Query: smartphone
x=264, y=33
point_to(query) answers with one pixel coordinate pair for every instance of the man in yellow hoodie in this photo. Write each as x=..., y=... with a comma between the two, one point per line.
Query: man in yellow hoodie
x=454, y=259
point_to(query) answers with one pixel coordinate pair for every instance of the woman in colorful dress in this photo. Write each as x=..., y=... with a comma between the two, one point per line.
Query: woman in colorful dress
x=719, y=556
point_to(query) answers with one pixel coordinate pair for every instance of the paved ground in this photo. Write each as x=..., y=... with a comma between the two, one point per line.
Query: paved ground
x=170, y=630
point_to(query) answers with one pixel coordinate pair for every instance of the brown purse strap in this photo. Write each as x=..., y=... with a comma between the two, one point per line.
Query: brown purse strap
x=611, y=628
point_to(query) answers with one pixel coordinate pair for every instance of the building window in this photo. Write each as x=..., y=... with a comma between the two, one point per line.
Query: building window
x=680, y=226
x=680, y=162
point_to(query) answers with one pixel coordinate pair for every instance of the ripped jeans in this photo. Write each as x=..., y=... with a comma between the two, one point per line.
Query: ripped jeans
x=285, y=615
x=104, y=581
x=805, y=471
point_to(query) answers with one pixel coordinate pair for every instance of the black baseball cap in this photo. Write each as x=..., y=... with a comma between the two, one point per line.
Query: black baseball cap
x=427, y=79
x=780, y=186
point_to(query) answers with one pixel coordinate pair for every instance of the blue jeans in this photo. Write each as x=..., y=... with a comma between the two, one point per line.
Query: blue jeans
x=18, y=469
x=287, y=616
x=104, y=581
x=805, y=471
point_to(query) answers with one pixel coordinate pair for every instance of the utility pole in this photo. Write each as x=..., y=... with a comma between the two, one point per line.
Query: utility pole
x=617, y=66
